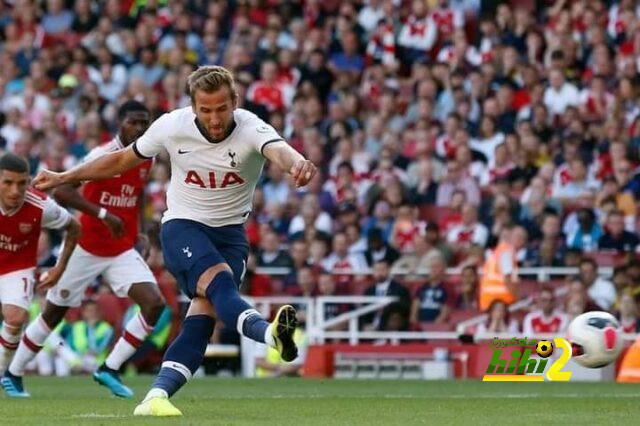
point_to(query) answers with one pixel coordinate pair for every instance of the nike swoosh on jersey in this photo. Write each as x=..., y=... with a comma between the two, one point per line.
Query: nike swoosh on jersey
x=183, y=152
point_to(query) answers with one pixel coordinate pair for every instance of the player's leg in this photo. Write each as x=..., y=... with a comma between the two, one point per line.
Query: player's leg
x=183, y=357
x=30, y=345
x=16, y=292
x=127, y=268
x=220, y=285
x=184, y=246
x=68, y=292
x=14, y=318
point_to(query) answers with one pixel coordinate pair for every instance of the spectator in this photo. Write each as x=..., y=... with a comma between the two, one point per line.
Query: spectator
x=499, y=320
x=430, y=302
x=377, y=249
x=271, y=255
x=88, y=338
x=418, y=34
x=588, y=232
x=469, y=232
x=602, y=291
x=500, y=270
x=454, y=180
x=560, y=94
x=546, y=319
x=615, y=237
x=467, y=295
x=628, y=313
x=383, y=285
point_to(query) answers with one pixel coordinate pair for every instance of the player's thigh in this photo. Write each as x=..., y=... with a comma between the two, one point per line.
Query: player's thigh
x=127, y=269
x=231, y=242
x=16, y=293
x=83, y=268
x=188, y=252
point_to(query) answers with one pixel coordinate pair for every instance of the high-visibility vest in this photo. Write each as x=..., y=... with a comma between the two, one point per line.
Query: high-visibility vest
x=83, y=339
x=630, y=367
x=273, y=356
x=493, y=285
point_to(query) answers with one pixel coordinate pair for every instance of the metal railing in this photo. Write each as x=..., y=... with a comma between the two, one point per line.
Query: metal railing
x=540, y=273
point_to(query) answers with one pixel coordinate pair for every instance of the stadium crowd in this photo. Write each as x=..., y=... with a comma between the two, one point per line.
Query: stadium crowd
x=444, y=129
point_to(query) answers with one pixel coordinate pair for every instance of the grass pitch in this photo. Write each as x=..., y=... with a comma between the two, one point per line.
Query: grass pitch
x=79, y=400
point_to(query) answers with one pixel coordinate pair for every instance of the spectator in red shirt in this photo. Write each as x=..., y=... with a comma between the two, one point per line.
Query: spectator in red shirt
x=545, y=319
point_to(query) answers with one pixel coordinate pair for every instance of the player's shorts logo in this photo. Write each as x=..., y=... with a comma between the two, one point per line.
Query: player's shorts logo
x=25, y=228
x=186, y=251
x=64, y=293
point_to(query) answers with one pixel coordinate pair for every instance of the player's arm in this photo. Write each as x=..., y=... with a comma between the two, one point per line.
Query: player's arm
x=143, y=245
x=104, y=167
x=290, y=161
x=72, y=234
x=68, y=196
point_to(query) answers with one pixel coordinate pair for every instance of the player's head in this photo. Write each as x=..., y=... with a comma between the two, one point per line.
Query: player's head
x=213, y=99
x=14, y=180
x=134, y=119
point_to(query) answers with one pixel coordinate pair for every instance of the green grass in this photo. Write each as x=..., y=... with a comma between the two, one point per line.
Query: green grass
x=78, y=400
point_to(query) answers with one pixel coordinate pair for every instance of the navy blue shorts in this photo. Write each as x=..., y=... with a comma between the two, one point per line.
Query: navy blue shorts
x=190, y=248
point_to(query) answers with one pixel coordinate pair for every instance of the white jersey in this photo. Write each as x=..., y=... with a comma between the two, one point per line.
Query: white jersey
x=211, y=182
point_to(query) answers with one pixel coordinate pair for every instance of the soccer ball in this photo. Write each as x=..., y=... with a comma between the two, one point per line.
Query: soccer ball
x=595, y=339
x=544, y=348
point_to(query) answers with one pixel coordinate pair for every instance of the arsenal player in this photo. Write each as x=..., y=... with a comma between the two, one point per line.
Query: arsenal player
x=110, y=210
x=23, y=213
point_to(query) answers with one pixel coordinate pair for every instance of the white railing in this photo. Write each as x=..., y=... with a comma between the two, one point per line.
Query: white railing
x=541, y=274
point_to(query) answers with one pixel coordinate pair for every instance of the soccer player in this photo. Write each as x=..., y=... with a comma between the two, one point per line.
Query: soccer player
x=110, y=220
x=217, y=152
x=23, y=213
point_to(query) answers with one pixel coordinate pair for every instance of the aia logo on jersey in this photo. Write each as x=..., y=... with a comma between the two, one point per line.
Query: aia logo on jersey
x=216, y=180
x=25, y=228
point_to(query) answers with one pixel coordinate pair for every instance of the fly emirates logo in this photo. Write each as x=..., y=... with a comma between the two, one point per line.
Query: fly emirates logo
x=6, y=244
x=127, y=198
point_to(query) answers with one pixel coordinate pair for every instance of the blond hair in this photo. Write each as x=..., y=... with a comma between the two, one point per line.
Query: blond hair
x=211, y=78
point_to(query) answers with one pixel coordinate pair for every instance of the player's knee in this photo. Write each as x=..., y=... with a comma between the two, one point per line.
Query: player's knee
x=14, y=321
x=206, y=278
x=53, y=314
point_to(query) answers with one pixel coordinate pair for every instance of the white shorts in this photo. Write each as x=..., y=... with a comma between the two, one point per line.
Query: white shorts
x=120, y=272
x=16, y=288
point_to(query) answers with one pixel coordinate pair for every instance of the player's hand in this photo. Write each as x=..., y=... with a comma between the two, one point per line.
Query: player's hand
x=302, y=172
x=47, y=179
x=115, y=225
x=49, y=278
x=143, y=246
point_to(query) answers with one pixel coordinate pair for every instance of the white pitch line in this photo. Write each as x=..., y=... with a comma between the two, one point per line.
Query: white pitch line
x=97, y=416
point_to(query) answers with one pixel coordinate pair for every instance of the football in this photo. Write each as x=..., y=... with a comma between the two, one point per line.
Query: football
x=595, y=338
x=544, y=348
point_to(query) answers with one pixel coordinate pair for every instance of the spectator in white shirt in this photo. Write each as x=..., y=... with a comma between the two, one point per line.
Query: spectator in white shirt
x=601, y=291
x=560, y=94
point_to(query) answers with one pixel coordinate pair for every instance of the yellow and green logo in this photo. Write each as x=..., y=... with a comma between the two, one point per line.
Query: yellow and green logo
x=513, y=368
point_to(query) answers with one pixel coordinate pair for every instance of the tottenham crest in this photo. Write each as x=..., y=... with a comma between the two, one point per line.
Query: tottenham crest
x=232, y=157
